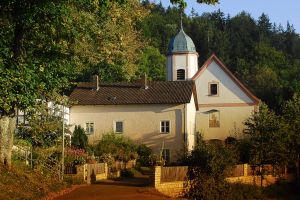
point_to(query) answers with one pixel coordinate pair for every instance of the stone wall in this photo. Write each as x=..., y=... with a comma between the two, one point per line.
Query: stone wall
x=172, y=189
x=176, y=188
x=90, y=173
x=96, y=172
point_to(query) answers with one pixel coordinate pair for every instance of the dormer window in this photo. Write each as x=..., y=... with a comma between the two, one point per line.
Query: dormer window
x=181, y=74
x=213, y=89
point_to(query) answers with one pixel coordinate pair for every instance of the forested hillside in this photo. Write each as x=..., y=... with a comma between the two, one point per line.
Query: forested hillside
x=264, y=55
x=120, y=40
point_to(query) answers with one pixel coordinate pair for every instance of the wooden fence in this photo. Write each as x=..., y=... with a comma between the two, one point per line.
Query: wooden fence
x=170, y=174
x=236, y=171
x=70, y=169
x=119, y=165
x=98, y=168
x=239, y=170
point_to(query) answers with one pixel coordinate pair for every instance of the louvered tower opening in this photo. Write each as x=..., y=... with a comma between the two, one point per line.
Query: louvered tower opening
x=180, y=74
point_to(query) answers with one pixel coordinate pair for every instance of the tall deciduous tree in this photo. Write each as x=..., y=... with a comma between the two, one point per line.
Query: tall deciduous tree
x=207, y=170
x=152, y=63
x=291, y=115
x=45, y=44
x=267, y=139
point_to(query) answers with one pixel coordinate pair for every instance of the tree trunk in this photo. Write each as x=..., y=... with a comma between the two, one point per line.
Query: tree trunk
x=297, y=171
x=7, y=129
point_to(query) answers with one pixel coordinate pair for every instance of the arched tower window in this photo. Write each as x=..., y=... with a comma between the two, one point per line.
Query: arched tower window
x=180, y=74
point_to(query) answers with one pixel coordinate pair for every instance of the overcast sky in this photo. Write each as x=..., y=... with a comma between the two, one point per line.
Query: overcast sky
x=278, y=11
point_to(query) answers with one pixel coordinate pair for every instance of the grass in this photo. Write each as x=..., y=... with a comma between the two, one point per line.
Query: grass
x=20, y=182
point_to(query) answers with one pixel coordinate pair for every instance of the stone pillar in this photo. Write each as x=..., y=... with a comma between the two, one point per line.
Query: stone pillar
x=85, y=173
x=246, y=169
x=157, y=176
x=106, y=170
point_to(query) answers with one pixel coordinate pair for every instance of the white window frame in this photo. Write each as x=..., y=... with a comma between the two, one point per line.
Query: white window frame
x=160, y=127
x=88, y=128
x=115, y=126
x=209, y=89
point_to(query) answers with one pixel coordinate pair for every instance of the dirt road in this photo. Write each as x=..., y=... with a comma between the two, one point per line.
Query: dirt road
x=115, y=190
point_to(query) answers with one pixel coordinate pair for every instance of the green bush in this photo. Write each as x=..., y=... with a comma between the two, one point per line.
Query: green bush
x=206, y=173
x=144, y=155
x=119, y=147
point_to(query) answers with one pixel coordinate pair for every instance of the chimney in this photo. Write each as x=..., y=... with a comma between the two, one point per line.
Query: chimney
x=95, y=81
x=144, y=81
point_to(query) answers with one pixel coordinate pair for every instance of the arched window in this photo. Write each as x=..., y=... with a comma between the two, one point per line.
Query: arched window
x=180, y=74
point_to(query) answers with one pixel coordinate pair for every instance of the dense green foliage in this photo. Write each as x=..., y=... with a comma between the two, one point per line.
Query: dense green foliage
x=207, y=166
x=119, y=147
x=291, y=117
x=144, y=153
x=44, y=128
x=265, y=56
x=45, y=45
x=267, y=137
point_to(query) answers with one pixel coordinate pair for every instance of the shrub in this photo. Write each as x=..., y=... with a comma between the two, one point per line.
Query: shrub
x=144, y=155
x=206, y=173
x=119, y=147
x=156, y=160
x=75, y=156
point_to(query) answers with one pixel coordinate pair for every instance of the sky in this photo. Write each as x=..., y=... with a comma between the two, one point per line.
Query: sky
x=278, y=11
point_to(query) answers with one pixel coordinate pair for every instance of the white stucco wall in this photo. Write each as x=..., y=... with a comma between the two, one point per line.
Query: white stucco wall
x=141, y=123
x=169, y=68
x=231, y=122
x=192, y=65
x=229, y=92
x=188, y=62
x=191, y=124
x=233, y=104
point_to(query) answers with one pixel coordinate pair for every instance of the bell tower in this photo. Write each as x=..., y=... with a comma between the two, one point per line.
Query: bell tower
x=182, y=58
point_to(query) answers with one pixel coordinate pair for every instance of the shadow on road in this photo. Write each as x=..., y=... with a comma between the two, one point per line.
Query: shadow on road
x=134, y=182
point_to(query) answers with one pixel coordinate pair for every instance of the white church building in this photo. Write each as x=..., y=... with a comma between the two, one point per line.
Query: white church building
x=167, y=115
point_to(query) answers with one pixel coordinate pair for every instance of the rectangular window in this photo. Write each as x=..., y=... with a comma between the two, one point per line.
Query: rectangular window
x=213, y=89
x=166, y=155
x=165, y=126
x=118, y=127
x=89, y=127
x=214, y=119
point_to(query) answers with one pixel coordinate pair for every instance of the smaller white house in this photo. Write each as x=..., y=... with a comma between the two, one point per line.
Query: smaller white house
x=158, y=114
x=53, y=109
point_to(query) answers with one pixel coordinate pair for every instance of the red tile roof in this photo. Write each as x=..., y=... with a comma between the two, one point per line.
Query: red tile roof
x=165, y=92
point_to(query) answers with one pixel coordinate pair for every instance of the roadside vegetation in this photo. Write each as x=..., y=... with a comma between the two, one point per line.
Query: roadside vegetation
x=46, y=47
x=21, y=182
x=269, y=139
